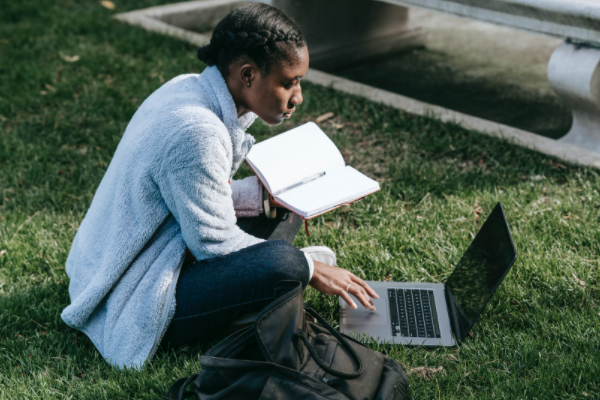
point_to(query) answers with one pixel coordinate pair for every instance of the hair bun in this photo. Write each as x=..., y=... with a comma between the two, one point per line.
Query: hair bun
x=207, y=55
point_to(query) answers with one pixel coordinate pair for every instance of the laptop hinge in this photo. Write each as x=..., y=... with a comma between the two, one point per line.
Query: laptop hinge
x=453, y=326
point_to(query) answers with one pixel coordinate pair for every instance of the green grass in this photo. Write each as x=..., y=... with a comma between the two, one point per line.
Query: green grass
x=537, y=339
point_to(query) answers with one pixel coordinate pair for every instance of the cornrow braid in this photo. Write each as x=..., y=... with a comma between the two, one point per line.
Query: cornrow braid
x=263, y=37
x=255, y=30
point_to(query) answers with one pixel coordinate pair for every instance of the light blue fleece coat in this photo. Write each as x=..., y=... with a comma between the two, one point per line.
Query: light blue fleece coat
x=165, y=190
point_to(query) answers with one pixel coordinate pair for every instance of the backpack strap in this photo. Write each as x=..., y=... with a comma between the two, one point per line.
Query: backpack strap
x=340, y=374
x=178, y=392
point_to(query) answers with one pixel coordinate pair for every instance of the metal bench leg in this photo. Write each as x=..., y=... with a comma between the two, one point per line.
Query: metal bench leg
x=574, y=73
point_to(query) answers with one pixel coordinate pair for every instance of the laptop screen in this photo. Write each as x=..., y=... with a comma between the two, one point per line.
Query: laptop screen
x=480, y=271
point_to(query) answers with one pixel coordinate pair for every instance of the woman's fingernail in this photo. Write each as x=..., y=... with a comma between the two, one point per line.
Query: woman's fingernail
x=376, y=296
x=354, y=305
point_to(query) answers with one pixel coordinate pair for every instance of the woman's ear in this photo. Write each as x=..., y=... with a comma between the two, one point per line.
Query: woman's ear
x=247, y=74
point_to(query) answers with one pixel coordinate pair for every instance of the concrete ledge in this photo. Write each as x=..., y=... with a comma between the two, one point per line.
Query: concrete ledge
x=563, y=151
x=345, y=32
x=568, y=19
x=182, y=20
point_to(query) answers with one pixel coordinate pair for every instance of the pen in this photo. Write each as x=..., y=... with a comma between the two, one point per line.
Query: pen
x=302, y=182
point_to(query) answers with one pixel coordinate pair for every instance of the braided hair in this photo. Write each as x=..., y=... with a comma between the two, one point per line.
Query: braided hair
x=258, y=31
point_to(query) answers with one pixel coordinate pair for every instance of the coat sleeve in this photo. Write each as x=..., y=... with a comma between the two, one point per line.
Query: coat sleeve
x=247, y=196
x=194, y=182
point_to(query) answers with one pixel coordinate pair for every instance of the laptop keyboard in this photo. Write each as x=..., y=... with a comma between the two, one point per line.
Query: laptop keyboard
x=413, y=313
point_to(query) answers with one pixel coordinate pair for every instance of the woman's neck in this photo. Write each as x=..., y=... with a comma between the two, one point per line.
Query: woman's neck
x=238, y=99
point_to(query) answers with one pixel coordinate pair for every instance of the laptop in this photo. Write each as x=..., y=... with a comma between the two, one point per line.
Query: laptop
x=438, y=314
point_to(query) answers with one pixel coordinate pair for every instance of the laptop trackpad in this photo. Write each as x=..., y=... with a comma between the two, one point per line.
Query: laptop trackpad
x=362, y=316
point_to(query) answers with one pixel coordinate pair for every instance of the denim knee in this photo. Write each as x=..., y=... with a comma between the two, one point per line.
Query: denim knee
x=287, y=262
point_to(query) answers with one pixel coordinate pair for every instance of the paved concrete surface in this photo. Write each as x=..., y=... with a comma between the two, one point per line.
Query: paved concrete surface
x=477, y=68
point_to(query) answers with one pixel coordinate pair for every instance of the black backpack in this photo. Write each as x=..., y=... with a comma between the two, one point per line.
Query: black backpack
x=284, y=356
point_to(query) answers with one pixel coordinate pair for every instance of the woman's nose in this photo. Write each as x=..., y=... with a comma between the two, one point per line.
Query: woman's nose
x=297, y=97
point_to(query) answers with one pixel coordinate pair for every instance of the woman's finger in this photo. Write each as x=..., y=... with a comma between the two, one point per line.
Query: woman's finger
x=365, y=285
x=360, y=293
x=344, y=295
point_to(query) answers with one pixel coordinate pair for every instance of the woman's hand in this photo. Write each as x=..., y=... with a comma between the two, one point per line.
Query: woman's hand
x=334, y=281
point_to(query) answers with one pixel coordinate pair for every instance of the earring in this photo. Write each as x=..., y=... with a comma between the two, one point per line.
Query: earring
x=248, y=84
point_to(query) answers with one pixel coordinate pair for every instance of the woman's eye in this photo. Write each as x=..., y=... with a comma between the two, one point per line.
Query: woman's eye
x=288, y=85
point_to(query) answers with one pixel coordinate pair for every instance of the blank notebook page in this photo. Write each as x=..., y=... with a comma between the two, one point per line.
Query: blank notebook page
x=286, y=159
x=337, y=187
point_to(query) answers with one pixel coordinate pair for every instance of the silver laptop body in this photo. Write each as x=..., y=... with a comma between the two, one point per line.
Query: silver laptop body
x=438, y=314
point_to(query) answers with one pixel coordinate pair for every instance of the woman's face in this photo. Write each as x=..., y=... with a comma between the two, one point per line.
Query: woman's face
x=274, y=97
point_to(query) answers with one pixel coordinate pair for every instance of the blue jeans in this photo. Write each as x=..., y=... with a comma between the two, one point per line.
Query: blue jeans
x=212, y=293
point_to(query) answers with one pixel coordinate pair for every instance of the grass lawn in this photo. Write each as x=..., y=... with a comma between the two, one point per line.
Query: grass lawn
x=70, y=80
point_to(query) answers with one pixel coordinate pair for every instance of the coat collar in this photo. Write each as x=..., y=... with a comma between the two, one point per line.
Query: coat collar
x=222, y=104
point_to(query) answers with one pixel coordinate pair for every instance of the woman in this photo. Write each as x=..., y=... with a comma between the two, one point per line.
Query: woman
x=168, y=192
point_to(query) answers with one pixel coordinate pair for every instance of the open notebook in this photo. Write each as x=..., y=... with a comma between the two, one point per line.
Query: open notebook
x=305, y=172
